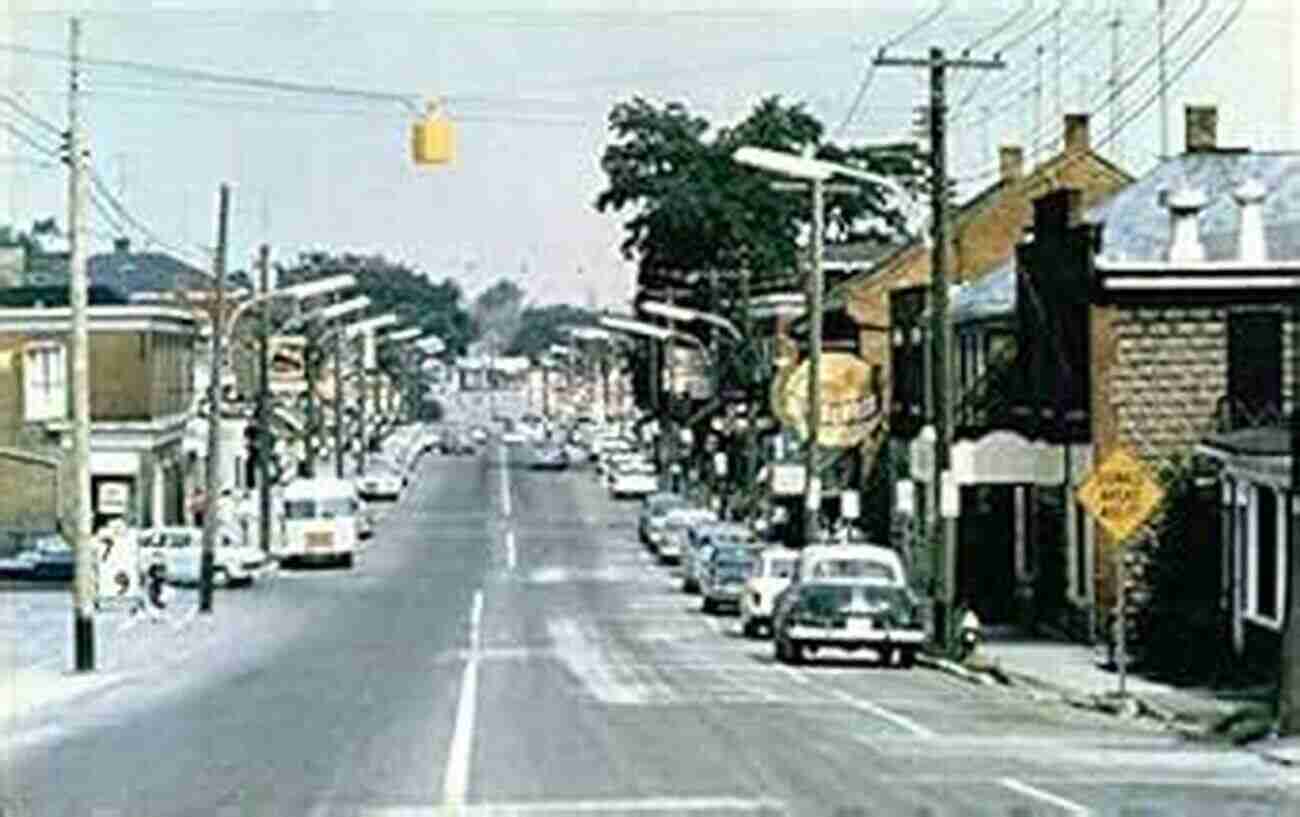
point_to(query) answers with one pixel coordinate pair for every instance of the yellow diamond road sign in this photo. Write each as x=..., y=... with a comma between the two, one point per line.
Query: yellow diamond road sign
x=1120, y=494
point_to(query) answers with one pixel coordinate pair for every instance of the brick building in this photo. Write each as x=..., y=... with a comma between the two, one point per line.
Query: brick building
x=141, y=358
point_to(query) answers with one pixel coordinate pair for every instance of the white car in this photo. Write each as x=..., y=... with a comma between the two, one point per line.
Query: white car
x=180, y=551
x=676, y=531
x=380, y=483
x=633, y=481
x=772, y=573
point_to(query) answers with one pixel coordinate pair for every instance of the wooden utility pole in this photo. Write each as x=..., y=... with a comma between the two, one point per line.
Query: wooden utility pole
x=218, y=324
x=78, y=298
x=945, y=556
x=264, y=448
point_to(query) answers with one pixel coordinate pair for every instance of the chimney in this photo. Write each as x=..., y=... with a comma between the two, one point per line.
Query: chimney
x=1011, y=160
x=122, y=245
x=1077, y=139
x=1184, y=227
x=1202, y=128
x=1251, y=245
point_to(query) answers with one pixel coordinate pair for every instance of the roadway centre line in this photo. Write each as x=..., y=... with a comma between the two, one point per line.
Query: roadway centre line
x=646, y=805
x=505, y=482
x=512, y=552
x=1069, y=806
x=455, y=778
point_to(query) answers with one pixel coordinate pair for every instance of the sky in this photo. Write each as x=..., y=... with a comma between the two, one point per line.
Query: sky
x=529, y=86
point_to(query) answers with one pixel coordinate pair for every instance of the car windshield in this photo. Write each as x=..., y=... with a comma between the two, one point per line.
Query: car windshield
x=852, y=569
x=328, y=508
x=832, y=600
x=780, y=568
x=732, y=569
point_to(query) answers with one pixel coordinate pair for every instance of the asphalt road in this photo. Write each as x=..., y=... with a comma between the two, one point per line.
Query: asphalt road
x=507, y=647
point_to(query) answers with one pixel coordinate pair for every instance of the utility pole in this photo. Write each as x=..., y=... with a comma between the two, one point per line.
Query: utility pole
x=1162, y=7
x=361, y=403
x=751, y=413
x=309, y=360
x=218, y=324
x=945, y=561
x=812, y=480
x=264, y=448
x=1288, y=687
x=83, y=612
x=338, y=399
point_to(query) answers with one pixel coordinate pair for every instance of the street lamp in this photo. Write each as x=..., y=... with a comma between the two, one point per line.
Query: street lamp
x=365, y=329
x=686, y=315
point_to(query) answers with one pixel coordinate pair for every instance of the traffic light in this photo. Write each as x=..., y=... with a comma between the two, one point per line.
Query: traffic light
x=433, y=141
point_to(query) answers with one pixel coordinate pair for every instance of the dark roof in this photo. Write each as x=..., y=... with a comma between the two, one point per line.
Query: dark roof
x=56, y=296
x=1137, y=223
x=132, y=273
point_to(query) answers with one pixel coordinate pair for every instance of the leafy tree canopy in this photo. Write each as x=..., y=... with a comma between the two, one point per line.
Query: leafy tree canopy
x=437, y=309
x=542, y=326
x=690, y=206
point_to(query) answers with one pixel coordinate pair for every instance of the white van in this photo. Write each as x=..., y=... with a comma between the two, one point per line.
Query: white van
x=319, y=521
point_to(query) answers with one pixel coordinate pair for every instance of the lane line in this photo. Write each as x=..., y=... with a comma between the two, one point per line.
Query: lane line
x=1068, y=806
x=647, y=805
x=512, y=553
x=505, y=482
x=901, y=721
x=455, y=778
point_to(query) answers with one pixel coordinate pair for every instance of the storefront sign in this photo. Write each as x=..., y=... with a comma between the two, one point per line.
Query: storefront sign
x=113, y=498
x=850, y=505
x=288, y=371
x=849, y=408
x=787, y=479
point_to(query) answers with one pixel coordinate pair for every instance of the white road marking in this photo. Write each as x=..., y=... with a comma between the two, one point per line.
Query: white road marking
x=646, y=805
x=455, y=779
x=864, y=705
x=505, y=482
x=1068, y=806
x=512, y=553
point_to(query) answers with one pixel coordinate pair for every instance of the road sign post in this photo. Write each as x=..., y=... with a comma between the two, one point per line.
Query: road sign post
x=1120, y=495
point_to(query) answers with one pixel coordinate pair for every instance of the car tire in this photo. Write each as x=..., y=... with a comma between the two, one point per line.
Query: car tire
x=347, y=560
x=748, y=628
x=906, y=657
x=709, y=606
x=795, y=650
x=778, y=650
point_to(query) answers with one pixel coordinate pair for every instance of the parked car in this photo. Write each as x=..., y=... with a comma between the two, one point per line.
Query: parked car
x=818, y=562
x=676, y=535
x=723, y=575
x=46, y=557
x=550, y=457
x=773, y=570
x=654, y=512
x=633, y=480
x=849, y=614
x=180, y=551
x=381, y=481
x=703, y=539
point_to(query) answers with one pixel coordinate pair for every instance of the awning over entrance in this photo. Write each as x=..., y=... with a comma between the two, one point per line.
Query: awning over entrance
x=1260, y=455
x=997, y=458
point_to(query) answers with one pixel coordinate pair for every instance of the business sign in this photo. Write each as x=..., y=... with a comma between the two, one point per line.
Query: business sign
x=113, y=498
x=850, y=505
x=787, y=479
x=1121, y=494
x=849, y=407
x=288, y=371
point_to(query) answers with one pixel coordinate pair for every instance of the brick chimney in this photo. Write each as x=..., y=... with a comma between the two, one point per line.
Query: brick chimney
x=1202, y=128
x=1011, y=161
x=1077, y=139
x=1184, y=225
x=1251, y=244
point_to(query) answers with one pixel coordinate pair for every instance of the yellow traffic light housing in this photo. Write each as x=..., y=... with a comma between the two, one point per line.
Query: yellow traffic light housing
x=433, y=141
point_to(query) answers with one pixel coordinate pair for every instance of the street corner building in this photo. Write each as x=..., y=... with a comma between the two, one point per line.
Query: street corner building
x=142, y=389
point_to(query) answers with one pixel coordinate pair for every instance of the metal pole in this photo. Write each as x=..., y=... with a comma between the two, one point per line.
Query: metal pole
x=309, y=367
x=812, y=482
x=83, y=612
x=218, y=324
x=1121, y=614
x=361, y=406
x=265, y=450
x=751, y=413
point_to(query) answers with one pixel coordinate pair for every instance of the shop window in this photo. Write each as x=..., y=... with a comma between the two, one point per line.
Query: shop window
x=45, y=390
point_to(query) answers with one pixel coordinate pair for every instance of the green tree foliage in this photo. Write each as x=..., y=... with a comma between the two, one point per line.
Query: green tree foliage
x=691, y=207
x=437, y=309
x=542, y=326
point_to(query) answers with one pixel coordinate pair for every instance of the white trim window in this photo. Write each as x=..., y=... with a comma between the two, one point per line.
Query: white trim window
x=1266, y=532
x=45, y=387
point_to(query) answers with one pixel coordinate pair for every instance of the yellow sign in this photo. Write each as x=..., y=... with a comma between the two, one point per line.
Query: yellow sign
x=1120, y=494
x=849, y=406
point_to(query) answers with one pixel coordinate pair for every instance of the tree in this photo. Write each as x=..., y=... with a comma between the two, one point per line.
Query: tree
x=692, y=207
x=542, y=326
x=436, y=309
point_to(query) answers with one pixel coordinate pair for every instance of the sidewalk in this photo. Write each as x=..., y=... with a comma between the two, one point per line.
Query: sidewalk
x=1070, y=671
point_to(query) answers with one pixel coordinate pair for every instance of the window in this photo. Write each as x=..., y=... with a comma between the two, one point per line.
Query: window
x=1265, y=558
x=1254, y=365
x=45, y=389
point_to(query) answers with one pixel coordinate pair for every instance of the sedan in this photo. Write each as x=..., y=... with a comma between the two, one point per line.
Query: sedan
x=180, y=551
x=380, y=483
x=849, y=614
